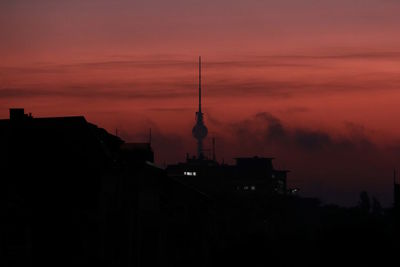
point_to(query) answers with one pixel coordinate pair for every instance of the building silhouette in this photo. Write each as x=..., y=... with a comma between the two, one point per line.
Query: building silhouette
x=249, y=176
x=74, y=194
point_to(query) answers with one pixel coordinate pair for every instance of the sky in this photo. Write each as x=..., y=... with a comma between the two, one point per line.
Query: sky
x=314, y=84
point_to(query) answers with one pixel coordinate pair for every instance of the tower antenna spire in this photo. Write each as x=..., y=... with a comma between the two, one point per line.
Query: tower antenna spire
x=200, y=84
x=199, y=130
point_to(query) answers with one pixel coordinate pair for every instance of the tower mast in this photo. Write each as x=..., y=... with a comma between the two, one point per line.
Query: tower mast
x=199, y=84
x=199, y=130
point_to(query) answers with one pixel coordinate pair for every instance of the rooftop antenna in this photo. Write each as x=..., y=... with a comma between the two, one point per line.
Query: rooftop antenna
x=199, y=130
x=150, y=136
x=213, y=149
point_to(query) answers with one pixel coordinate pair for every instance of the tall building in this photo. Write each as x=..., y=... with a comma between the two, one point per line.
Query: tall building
x=253, y=175
x=199, y=130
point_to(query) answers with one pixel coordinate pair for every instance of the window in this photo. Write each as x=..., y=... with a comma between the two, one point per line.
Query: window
x=253, y=187
x=246, y=187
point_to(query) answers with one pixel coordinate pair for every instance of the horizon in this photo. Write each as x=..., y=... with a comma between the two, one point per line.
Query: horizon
x=334, y=200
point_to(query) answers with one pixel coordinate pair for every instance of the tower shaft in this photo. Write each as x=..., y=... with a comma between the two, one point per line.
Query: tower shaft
x=199, y=131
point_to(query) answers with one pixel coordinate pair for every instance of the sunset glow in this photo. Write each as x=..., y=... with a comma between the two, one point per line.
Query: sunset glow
x=326, y=73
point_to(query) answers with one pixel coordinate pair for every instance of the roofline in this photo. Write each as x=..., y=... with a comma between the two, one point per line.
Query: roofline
x=256, y=157
x=154, y=165
x=63, y=117
x=51, y=118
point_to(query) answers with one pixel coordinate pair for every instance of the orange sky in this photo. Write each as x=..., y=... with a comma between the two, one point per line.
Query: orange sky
x=325, y=66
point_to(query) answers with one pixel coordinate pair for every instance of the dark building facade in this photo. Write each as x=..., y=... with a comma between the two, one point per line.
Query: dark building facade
x=73, y=194
x=134, y=152
x=249, y=176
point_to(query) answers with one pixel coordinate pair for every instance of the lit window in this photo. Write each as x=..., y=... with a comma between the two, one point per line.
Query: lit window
x=184, y=173
x=246, y=187
x=253, y=187
x=194, y=173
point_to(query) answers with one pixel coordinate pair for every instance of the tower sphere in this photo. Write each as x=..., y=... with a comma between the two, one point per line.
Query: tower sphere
x=199, y=131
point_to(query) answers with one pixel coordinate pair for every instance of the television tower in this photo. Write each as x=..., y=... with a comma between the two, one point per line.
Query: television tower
x=199, y=130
